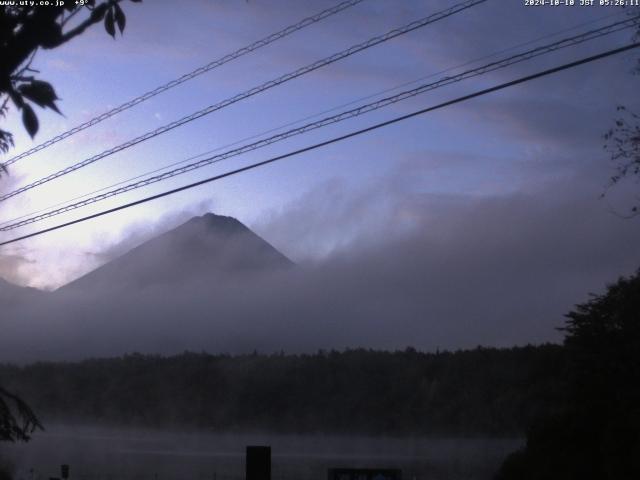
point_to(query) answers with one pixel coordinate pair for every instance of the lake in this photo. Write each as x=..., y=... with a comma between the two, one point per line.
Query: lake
x=97, y=453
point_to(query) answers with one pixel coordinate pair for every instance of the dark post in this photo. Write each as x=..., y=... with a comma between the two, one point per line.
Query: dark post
x=258, y=463
x=64, y=471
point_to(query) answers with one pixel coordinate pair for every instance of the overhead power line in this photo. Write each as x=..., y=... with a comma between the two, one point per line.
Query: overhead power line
x=315, y=115
x=253, y=91
x=464, y=98
x=511, y=60
x=188, y=76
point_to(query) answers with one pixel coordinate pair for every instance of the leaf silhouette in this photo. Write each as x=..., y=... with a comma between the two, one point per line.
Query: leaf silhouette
x=29, y=120
x=16, y=97
x=121, y=20
x=109, y=25
x=41, y=93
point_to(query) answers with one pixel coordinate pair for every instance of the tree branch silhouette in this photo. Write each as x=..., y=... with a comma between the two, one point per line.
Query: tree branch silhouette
x=26, y=29
x=17, y=420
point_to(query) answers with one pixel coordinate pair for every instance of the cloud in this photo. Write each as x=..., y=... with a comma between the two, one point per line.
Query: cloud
x=11, y=266
x=422, y=269
x=488, y=240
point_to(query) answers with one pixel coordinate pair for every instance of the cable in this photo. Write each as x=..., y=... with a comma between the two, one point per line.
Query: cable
x=486, y=91
x=188, y=76
x=309, y=117
x=597, y=33
x=265, y=86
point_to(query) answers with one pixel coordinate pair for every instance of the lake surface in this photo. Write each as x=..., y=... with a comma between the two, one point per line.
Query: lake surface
x=123, y=454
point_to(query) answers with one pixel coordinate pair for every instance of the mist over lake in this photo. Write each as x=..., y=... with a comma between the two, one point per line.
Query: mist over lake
x=100, y=453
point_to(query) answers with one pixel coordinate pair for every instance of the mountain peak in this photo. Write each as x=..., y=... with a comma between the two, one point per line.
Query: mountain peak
x=206, y=247
x=220, y=223
x=215, y=219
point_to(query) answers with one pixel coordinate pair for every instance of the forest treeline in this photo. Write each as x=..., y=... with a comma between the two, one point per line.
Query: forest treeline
x=484, y=391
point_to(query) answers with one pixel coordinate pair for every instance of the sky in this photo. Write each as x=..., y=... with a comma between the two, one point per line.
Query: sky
x=500, y=194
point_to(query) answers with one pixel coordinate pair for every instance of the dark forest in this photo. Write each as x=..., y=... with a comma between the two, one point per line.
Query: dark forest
x=485, y=391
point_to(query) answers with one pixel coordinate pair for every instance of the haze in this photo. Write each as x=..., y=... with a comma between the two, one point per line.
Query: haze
x=480, y=224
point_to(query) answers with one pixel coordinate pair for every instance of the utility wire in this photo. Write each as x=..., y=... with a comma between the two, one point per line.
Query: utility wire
x=593, y=34
x=253, y=91
x=486, y=91
x=315, y=115
x=188, y=76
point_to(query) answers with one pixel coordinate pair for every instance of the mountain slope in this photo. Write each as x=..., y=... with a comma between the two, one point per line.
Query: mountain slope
x=206, y=247
x=11, y=294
